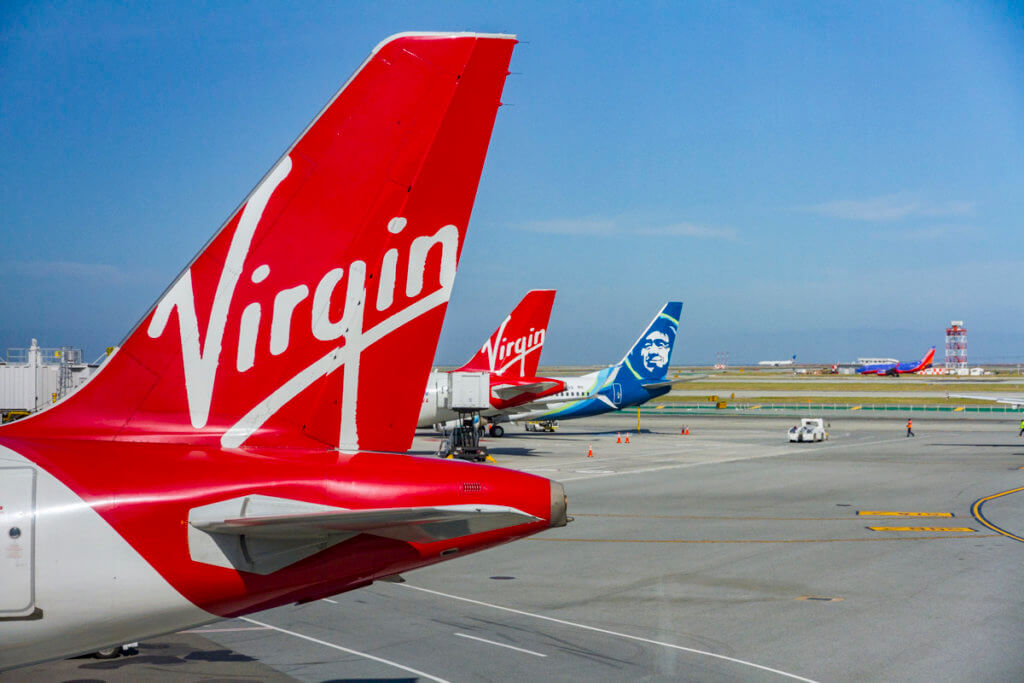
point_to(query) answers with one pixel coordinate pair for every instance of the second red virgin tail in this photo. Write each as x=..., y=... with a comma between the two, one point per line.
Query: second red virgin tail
x=515, y=347
x=335, y=271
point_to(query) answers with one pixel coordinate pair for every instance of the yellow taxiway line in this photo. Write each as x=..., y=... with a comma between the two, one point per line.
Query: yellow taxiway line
x=976, y=511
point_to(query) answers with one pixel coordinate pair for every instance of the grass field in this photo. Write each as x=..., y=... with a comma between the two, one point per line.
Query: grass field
x=909, y=387
x=716, y=386
x=818, y=400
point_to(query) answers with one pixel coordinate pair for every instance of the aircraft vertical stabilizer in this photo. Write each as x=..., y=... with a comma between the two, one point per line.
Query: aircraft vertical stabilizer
x=515, y=347
x=648, y=359
x=334, y=271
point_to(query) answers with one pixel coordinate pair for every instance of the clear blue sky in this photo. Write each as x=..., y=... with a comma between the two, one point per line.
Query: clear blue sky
x=829, y=181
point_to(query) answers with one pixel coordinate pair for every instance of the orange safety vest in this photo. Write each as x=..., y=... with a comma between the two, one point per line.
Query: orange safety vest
x=910, y=423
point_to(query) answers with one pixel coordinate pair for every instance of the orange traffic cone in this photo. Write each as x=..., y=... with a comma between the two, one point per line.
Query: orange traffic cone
x=627, y=437
x=590, y=451
x=618, y=437
x=682, y=432
x=687, y=431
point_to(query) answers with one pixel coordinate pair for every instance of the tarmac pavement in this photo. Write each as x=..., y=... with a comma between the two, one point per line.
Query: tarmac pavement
x=730, y=554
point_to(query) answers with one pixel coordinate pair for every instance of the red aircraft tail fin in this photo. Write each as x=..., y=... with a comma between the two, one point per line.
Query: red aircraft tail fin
x=311, y=317
x=514, y=348
x=926, y=362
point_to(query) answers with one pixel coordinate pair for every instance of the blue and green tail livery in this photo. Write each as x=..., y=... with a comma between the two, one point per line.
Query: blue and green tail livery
x=641, y=375
x=648, y=360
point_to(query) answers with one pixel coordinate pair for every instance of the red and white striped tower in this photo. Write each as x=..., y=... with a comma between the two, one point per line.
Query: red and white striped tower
x=956, y=348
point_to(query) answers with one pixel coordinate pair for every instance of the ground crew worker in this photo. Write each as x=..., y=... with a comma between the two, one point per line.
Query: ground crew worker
x=1021, y=432
x=910, y=424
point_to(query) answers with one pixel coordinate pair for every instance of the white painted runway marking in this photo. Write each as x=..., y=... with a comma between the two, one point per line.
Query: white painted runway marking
x=345, y=649
x=510, y=647
x=224, y=630
x=333, y=602
x=610, y=633
x=677, y=466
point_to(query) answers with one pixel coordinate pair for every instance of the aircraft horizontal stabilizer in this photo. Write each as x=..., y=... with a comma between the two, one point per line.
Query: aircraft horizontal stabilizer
x=417, y=525
x=1009, y=400
x=239, y=533
x=672, y=382
x=509, y=391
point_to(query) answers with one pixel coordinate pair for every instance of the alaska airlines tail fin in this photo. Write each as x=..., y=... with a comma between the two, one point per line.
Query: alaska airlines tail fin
x=515, y=347
x=648, y=360
x=333, y=273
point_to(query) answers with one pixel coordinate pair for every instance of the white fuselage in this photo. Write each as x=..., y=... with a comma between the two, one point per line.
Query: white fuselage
x=433, y=412
x=577, y=388
x=77, y=572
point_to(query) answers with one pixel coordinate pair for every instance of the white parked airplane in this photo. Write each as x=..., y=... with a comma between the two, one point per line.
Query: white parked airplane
x=778, y=363
x=641, y=375
x=510, y=356
x=238, y=451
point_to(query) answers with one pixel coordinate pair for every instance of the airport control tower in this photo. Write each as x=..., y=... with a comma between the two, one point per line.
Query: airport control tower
x=956, y=348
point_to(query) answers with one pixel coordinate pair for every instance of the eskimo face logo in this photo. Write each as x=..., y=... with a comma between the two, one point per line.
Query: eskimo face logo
x=655, y=350
x=648, y=359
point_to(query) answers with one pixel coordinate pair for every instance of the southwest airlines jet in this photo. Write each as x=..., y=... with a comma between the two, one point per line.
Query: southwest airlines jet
x=636, y=379
x=237, y=451
x=896, y=369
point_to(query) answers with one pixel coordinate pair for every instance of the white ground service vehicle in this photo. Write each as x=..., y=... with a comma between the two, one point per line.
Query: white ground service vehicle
x=810, y=429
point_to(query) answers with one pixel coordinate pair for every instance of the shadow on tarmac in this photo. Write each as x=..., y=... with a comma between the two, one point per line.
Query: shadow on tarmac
x=512, y=450
x=181, y=656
